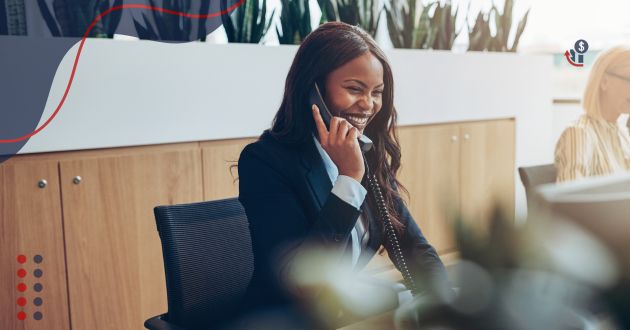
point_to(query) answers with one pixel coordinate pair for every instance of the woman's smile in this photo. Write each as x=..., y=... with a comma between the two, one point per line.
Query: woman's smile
x=358, y=120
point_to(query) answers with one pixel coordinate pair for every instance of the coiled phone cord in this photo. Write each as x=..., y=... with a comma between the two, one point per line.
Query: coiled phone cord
x=392, y=238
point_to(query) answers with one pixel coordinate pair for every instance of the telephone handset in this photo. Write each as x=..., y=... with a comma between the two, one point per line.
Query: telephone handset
x=366, y=144
x=316, y=98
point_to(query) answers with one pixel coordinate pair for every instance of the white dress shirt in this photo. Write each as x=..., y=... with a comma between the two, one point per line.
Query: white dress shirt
x=350, y=191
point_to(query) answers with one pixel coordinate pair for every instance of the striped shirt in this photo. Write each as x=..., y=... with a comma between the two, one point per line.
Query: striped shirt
x=591, y=147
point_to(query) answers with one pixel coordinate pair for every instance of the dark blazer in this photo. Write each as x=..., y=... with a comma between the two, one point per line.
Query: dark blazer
x=287, y=197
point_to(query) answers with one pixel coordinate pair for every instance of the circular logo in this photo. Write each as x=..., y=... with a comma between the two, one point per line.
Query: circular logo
x=581, y=46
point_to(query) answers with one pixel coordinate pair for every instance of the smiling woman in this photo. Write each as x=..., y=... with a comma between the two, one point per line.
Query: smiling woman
x=355, y=90
x=303, y=183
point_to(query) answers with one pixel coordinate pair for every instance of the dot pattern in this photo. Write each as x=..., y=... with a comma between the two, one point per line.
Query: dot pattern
x=22, y=287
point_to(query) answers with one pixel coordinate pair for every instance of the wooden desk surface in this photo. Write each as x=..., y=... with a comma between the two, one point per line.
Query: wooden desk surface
x=383, y=321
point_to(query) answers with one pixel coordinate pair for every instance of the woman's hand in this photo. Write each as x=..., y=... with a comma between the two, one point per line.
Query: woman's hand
x=341, y=145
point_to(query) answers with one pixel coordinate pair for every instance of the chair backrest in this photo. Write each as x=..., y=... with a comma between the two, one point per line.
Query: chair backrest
x=208, y=260
x=534, y=176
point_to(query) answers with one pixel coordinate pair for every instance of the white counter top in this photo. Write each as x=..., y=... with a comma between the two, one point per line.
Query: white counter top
x=129, y=93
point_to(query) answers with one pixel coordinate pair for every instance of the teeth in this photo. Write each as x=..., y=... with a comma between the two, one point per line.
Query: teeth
x=358, y=120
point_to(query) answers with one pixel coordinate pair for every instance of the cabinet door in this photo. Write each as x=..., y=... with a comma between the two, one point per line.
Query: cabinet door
x=31, y=225
x=430, y=171
x=114, y=256
x=219, y=177
x=487, y=169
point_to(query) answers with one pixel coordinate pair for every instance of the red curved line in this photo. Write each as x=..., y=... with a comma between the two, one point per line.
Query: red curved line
x=87, y=32
x=571, y=62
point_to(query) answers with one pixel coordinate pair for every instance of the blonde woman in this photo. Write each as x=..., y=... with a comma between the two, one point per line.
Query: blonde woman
x=596, y=144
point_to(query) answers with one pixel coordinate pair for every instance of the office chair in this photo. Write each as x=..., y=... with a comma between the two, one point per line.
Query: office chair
x=208, y=261
x=534, y=176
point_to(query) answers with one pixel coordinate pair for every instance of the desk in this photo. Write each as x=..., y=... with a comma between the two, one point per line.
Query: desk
x=383, y=321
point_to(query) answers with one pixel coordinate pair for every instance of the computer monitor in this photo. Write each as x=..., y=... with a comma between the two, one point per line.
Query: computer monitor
x=599, y=204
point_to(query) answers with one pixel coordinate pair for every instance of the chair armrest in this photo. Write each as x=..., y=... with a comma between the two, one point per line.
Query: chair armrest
x=158, y=323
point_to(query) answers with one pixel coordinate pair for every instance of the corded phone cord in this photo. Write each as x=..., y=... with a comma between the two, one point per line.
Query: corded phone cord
x=392, y=238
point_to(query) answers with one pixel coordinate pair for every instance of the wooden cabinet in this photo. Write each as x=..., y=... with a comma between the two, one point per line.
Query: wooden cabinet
x=430, y=172
x=114, y=256
x=31, y=225
x=103, y=266
x=93, y=220
x=487, y=169
x=465, y=168
x=219, y=174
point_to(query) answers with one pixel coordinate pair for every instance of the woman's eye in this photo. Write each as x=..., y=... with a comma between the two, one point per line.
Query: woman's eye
x=354, y=89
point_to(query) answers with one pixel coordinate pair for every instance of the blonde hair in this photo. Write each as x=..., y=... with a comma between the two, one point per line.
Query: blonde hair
x=608, y=60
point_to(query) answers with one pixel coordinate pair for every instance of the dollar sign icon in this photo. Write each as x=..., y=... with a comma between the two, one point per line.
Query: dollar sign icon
x=581, y=46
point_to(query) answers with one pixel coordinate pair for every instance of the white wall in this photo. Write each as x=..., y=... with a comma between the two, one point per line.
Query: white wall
x=138, y=93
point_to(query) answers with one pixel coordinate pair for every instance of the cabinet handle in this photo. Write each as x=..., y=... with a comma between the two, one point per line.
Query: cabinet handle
x=466, y=136
x=42, y=183
x=76, y=180
x=454, y=138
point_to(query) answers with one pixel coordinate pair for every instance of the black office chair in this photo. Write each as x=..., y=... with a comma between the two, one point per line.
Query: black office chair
x=534, y=176
x=208, y=261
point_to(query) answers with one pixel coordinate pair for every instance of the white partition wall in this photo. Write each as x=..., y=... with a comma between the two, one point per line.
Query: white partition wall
x=128, y=93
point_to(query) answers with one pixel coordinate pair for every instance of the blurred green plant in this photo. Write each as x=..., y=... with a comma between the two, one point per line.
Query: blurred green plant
x=409, y=24
x=164, y=26
x=363, y=13
x=248, y=23
x=481, y=38
x=71, y=18
x=443, y=24
x=295, y=21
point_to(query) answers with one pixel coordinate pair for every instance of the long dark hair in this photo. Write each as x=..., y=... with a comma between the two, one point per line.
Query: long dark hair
x=325, y=49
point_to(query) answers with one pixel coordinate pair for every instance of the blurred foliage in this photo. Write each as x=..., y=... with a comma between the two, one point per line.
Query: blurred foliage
x=363, y=13
x=169, y=27
x=414, y=25
x=443, y=22
x=71, y=18
x=523, y=276
x=480, y=37
x=409, y=24
x=295, y=21
x=248, y=23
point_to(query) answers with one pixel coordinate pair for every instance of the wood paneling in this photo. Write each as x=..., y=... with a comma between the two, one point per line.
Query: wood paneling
x=219, y=180
x=110, y=275
x=430, y=171
x=114, y=258
x=487, y=169
x=30, y=225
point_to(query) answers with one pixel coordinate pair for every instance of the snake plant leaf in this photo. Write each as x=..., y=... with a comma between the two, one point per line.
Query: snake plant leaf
x=328, y=11
x=228, y=25
x=145, y=32
x=507, y=20
x=48, y=18
x=295, y=21
x=254, y=23
x=202, y=31
x=112, y=20
x=444, y=23
x=393, y=29
x=519, y=31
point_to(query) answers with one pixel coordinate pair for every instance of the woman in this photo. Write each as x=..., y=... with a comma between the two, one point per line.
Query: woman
x=596, y=144
x=303, y=184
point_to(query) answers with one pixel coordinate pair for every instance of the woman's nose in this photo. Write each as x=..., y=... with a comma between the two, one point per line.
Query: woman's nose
x=366, y=102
